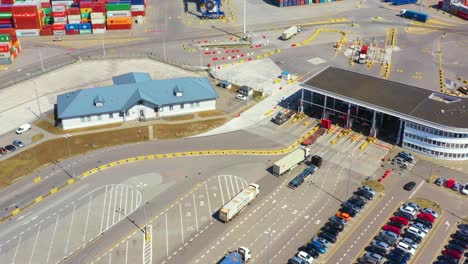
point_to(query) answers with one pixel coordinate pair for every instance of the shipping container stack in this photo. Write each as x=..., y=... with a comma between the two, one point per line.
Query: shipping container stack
x=27, y=18
x=138, y=8
x=285, y=3
x=9, y=46
x=98, y=19
x=118, y=15
x=460, y=9
x=6, y=17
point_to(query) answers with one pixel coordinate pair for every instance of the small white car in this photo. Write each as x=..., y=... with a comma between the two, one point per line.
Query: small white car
x=416, y=231
x=414, y=205
x=430, y=211
x=408, y=209
x=421, y=227
x=410, y=242
x=406, y=247
x=306, y=257
x=23, y=128
x=464, y=190
x=241, y=97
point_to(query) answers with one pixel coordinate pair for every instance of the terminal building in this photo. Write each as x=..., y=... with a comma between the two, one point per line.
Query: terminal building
x=431, y=123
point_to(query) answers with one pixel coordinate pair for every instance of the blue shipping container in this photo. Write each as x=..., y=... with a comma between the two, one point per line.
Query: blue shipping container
x=404, y=2
x=72, y=26
x=6, y=26
x=85, y=26
x=137, y=2
x=418, y=16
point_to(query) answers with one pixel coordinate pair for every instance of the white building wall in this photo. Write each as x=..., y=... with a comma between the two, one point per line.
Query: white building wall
x=187, y=108
x=95, y=120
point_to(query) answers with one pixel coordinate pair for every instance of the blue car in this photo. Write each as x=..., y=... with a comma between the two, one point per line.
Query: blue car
x=397, y=258
x=317, y=246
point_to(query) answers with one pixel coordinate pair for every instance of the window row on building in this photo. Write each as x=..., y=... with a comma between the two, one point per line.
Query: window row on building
x=182, y=106
x=435, y=142
x=436, y=153
x=434, y=131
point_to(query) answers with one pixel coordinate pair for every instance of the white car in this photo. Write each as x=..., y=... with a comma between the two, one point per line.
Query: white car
x=430, y=211
x=304, y=256
x=464, y=190
x=406, y=248
x=408, y=209
x=23, y=128
x=414, y=205
x=421, y=227
x=241, y=97
x=410, y=242
x=416, y=231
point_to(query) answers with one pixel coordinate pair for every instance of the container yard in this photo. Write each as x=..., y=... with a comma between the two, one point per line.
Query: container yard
x=9, y=47
x=45, y=18
x=285, y=3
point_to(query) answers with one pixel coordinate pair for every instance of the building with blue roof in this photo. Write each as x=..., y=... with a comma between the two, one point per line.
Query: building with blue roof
x=135, y=96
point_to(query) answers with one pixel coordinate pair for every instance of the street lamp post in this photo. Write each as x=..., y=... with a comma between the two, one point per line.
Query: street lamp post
x=37, y=95
x=269, y=232
x=245, y=19
x=349, y=176
x=67, y=136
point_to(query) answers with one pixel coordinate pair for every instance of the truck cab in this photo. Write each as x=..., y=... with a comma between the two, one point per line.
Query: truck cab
x=245, y=253
x=240, y=256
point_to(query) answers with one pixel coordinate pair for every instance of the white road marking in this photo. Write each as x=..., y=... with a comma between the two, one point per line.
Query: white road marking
x=69, y=231
x=87, y=218
x=167, y=239
x=232, y=186
x=131, y=202
x=103, y=210
x=34, y=246
x=243, y=184
x=181, y=222
x=52, y=240
x=120, y=204
x=126, y=196
x=110, y=257
x=221, y=189
x=208, y=197
x=227, y=187
x=16, y=250
x=237, y=184
x=110, y=206
x=417, y=188
x=115, y=205
x=126, y=252
x=195, y=208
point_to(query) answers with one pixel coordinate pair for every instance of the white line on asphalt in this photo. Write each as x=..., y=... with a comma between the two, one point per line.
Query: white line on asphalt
x=110, y=257
x=221, y=189
x=126, y=196
x=237, y=184
x=16, y=250
x=110, y=206
x=115, y=204
x=227, y=187
x=87, y=218
x=232, y=186
x=131, y=202
x=126, y=251
x=243, y=184
x=417, y=188
x=208, y=197
x=120, y=204
x=103, y=210
x=69, y=231
x=181, y=222
x=52, y=240
x=195, y=208
x=34, y=246
x=167, y=239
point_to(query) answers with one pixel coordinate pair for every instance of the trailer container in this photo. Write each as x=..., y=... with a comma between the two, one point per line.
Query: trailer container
x=239, y=202
x=290, y=161
x=418, y=16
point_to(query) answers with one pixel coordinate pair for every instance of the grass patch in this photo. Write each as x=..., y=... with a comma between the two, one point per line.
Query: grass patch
x=210, y=113
x=179, y=118
x=37, y=137
x=425, y=203
x=50, y=127
x=164, y=131
x=465, y=220
x=377, y=186
x=53, y=150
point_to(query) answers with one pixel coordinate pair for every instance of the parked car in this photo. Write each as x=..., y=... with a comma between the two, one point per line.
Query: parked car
x=388, y=237
x=392, y=229
x=322, y=241
x=371, y=258
x=365, y=194
x=409, y=186
x=405, y=247
x=380, y=244
x=416, y=231
x=461, y=236
x=408, y=209
x=312, y=252
x=421, y=227
x=377, y=250
x=329, y=237
x=348, y=210
x=18, y=143
x=10, y=147
x=306, y=257
x=330, y=230
x=23, y=128
x=405, y=215
x=413, y=237
x=353, y=206
x=3, y=151
x=414, y=205
x=464, y=190
x=459, y=242
x=410, y=242
x=337, y=219
x=455, y=247
x=367, y=189
x=407, y=156
x=449, y=183
x=336, y=225
x=396, y=258
x=396, y=224
x=440, y=181
x=344, y=216
x=317, y=246
x=424, y=222
x=241, y=97
x=457, y=187
x=430, y=211
x=427, y=217
x=400, y=219
x=357, y=202
x=452, y=253
x=448, y=259
x=401, y=252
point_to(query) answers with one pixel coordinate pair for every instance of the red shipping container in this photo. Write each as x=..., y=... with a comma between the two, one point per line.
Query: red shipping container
x=46, y=5
x=86, y=4
x=5, y=8
x=98, y=26
x=20, y=9
x=6, y=22
x=8, y=2
x=25, y=15
x=119, y=27
x=138, y=13
x=99, y=9
x=73, y=11
x=6, y=19
x=58, y=26
x=73, y=32
x=46, y=32
x=9, y=31
x=463, y=15
x=4, y=48
x=28, y=26
x=59, y=14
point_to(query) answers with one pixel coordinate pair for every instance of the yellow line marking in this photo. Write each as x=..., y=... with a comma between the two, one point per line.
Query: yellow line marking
x=37, y=179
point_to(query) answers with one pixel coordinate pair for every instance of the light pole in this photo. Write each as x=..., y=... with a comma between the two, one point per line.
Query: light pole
x=349, y=175
x=67, y=136
x=269, y=232
x=37, y=95
x=141, y=186
x=245, y=19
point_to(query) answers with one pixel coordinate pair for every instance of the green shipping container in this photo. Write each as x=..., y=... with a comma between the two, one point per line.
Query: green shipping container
x=85, y=15
x=5, y=15
x=118, y=7
x=4, y=38
x=85, y=31
x=47, y=11
x=48, y=20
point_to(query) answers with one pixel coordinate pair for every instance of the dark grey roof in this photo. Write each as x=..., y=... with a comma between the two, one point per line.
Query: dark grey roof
x=397, y=97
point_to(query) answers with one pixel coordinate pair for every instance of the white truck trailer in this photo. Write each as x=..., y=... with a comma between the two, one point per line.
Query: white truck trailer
x=239, y=202
x=290, y=32
x=290, y=161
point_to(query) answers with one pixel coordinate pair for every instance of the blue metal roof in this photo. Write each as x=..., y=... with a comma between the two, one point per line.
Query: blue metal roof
x=131, y=77
x=122, y=97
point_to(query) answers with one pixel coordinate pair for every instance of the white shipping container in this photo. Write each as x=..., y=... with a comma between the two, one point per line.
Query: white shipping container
x=67, y=3
x=99, y=31
x=290, y=161
x=242, y=199
x=97, y=15
x=27, y=32
x=58, y=8
x=60, y=19
x=119, y=13
x=5, y=55
x=59, y=32
x=74, y=17
x=137, y=8
x=98, y=21
x=5, y=44
x=74, y=21
x=61, y=23
x=45, y=1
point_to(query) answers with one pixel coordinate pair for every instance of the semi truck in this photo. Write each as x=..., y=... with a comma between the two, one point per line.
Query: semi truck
x=239, y=202
x=418, y=16
x=290, y=161
x=312, y=138
x=299, y=179
x=240, y=256
x=283, y=116
x=290, y=32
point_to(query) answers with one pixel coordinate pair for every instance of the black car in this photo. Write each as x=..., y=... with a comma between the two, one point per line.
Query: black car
x=413, y=237
x=396, y=257
x=406, y=215
x=338, y=220
x=348, y=210
x=330, y=230
x=396, y=224
x=448, y=259
x=327, y=236
x=10, y=147
x=405, y=156
x=409, y=186
x=459, y=242
x=312, y=252
x=335, y=225
x=461, y=237
x=402, y=253
x=424, y=222
x=365, y=194
x=377, y=250
x=455, y=247
x=357, y=202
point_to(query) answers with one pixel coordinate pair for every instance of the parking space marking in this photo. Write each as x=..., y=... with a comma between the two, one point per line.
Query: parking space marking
x=53, y=237
x=232, y=186
x=34, y=246
x=126, y=199
x=208, y=198
x=87, y=218
x=16, y=250
x=195, y=208
x=114, y=210
x=221, y=189
x=227, y=188
x=69, y=231
x=110, y=206
x=103, y=210
x=167, y=239
x=120, y=204
x=181, y=222
x=237, y=185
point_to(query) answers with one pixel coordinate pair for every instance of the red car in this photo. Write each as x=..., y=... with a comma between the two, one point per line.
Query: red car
x=450, y=183
x=400, y=219
x=427, y=217
x=3, y=151
x=392, y=229
x=452, y=253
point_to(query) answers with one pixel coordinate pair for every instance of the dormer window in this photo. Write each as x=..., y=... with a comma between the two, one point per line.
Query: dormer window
x=178, y=91
x=98, y=101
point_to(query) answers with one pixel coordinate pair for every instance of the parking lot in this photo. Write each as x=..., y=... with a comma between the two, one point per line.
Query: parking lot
x=181, y=223
x=56, y=236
